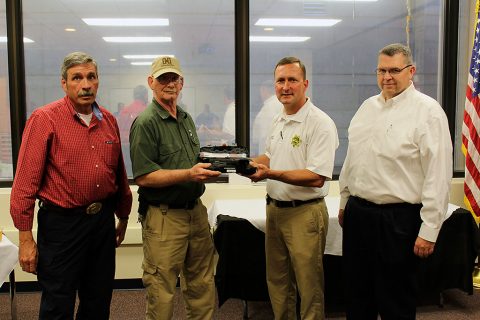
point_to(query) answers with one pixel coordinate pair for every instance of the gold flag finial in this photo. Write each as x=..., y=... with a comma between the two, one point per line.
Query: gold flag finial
x=476, y=277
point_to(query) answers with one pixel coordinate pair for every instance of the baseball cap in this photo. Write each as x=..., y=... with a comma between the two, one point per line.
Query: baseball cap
x=164, y=64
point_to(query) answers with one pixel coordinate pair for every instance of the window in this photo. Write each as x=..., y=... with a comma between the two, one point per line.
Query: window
x=6, y=167
x=466, y=26
x=199, y=33
x=341, y=57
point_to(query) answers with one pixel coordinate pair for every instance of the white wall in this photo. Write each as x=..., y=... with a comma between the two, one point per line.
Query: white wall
x=129, y=255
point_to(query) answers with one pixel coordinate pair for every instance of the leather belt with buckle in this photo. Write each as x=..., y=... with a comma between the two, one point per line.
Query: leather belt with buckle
x=290, y=204
x=189, y=205
x=91, y=209
x=94, y=208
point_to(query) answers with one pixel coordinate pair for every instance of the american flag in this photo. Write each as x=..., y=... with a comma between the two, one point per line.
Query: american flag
x=471, y=128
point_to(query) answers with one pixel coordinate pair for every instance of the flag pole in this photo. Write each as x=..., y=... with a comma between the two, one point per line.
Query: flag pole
x=476, y=276
x=476, y=270
x=471, y=184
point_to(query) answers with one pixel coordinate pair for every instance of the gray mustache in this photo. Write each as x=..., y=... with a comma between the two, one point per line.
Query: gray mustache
x=85, y=93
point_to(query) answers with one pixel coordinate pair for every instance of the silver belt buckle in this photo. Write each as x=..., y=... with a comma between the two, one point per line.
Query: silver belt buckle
x=94, y=208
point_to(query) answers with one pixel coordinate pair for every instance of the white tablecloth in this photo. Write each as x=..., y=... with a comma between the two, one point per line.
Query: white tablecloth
x=253, y=210
x=8, y=258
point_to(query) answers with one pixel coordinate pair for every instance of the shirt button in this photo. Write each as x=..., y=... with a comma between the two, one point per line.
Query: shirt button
x=93, y=147
x=98, y=185
x=96, y=166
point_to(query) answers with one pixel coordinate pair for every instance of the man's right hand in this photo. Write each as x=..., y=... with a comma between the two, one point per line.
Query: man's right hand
x=28, y=252
x=200, y=173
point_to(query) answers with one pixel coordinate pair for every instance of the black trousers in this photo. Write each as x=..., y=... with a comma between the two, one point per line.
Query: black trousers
x=380, y=266
x=76, y=253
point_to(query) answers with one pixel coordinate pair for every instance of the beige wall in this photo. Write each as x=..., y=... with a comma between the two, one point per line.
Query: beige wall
x=129, y=255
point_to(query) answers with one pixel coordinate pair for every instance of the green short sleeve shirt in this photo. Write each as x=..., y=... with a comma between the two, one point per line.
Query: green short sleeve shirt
x=159, y=141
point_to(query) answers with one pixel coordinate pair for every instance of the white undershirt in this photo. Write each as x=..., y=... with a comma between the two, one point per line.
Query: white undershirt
x=87, y=118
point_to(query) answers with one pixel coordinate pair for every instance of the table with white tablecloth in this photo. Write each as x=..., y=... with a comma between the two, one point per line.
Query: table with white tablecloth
x=253, y=210
x=8, y=260
x=239, y=226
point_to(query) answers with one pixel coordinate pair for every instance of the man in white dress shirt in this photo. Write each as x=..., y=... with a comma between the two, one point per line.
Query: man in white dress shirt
x=394, y=188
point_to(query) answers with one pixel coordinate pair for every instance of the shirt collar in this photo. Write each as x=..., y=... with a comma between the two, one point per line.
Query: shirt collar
x=301, y=114
x=164, y=114
x=95, y=109
x=399, y=97
x=404, y=94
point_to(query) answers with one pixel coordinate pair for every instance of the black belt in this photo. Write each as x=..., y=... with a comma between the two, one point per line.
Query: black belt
x=290, y=204
x=92, y=208
x=369, y=203
x=189, y=205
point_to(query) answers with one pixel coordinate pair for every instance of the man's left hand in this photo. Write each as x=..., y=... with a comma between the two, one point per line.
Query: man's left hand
x=260, y=173
x=120, y=231
x=423, y=248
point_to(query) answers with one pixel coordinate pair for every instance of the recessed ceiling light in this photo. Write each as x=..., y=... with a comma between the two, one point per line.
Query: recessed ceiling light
x=332, y=1
x=142, y=63
x=280, y=22
x=126, y=22
x=112, y=59
x=137, y=39
x=25, y=40
x=278, y=39
x=145, y=56
x=351, y=0
x=70, y=29
x=268, y=29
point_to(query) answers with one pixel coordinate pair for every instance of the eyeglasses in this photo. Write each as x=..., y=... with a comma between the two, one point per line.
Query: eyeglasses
x=167, y=78
x=392, y=72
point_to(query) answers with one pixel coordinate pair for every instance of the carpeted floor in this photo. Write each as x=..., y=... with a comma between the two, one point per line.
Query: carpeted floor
x=130, y=304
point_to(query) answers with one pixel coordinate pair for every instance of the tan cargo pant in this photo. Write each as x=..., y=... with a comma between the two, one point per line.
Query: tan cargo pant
x=294, y=244
x=178, y=242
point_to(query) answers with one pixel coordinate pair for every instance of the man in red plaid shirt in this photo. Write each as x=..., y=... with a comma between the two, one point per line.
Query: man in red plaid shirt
x=71, y=161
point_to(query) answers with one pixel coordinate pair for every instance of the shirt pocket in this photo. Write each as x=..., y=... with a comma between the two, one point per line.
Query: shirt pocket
x=169, y=155
x=111, y=152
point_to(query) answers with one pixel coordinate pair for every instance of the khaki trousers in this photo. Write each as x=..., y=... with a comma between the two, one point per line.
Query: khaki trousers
x=178, y=242
x=294, y=244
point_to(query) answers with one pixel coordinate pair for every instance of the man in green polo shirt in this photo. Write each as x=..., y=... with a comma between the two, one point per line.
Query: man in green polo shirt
x=164, y=149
